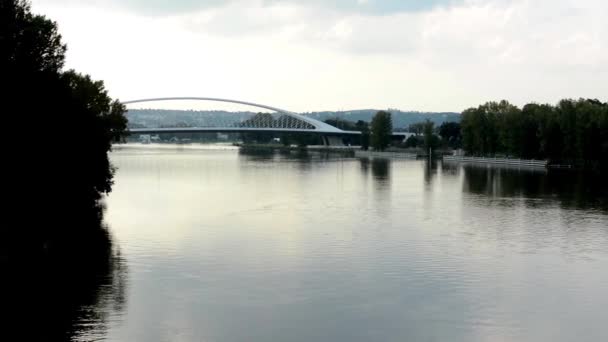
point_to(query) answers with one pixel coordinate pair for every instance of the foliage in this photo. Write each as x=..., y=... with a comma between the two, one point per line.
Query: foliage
x=363, y=127
x=30, y=43
x=450, y=134
x=573, y=131
x=416, y=128
x=257, y=137
x=381, y=130
x=401, y=119
x=360, y=125
x=342, y=124
x=70, y=120
x=304, y=139
x=413, y=141
x=430, y=140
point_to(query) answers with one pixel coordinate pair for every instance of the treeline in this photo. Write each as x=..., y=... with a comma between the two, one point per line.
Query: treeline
x=378, y=134
x=64, y=124
x=401, y=119
x=572, y=132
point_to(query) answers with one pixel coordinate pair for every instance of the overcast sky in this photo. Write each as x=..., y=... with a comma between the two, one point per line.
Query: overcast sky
x=306, y=55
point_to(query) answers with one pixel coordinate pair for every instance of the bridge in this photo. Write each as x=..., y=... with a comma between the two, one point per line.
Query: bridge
x=281, y=121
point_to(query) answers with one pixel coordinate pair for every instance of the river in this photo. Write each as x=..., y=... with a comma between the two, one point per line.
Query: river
x=225, y=245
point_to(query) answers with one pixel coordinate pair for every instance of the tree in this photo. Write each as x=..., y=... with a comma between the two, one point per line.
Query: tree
x=416, y=128
x=30, y=43
x=67, y=118
x=572, y=132
x=363, y=127
x=412, y=141
x=468, y=124
x=486, y=130
x=551, y=138
x=529, y=144
x=342, y=124
x=381, y=130
x=450, y=133
x=430, y=140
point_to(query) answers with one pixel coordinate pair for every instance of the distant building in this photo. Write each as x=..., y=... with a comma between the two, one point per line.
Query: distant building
x=401, y=136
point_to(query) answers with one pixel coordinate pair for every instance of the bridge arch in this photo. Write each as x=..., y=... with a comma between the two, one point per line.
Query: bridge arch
x=319, y=126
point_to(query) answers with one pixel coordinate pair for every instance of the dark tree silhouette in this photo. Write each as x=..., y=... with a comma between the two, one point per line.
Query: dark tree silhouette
x=381, y=130
x=59, y=264
x=30, y=43
x=573, y=131
x=363, y=127
x=61, y=125
x=430, y=140
x=450, y=133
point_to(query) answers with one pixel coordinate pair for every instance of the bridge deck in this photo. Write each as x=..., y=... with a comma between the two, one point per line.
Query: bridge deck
x=236, y=130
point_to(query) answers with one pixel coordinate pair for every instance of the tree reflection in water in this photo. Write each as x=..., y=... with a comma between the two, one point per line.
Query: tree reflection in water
x=381, y=169
x=70, y=293
x=582, y=190
x=430, y=172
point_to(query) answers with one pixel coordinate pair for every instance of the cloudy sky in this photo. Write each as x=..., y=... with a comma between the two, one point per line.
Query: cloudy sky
x=306, y=55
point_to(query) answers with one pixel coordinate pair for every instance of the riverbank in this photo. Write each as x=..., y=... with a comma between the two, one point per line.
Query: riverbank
x=342, y=150
x=352, y=151
x=498, y=161
x=385, y=154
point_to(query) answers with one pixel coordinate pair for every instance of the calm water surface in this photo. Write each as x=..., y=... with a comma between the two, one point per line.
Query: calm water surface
x=223, y=245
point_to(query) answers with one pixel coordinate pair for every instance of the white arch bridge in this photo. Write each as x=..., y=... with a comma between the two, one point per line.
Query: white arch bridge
x=281, y=121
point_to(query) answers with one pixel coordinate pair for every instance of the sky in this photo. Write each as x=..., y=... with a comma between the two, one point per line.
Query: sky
x=311, y=55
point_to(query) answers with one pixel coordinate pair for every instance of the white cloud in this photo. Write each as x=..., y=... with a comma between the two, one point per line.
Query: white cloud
x=309, y=57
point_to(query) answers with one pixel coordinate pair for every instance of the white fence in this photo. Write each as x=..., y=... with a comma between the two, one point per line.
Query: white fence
x=498, y=161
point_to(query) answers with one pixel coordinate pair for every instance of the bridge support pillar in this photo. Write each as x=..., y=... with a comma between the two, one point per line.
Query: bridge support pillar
x=332, y=141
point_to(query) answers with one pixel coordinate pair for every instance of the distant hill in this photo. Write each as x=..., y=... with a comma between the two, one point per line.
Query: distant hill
x=400, y=119
x=192, y=118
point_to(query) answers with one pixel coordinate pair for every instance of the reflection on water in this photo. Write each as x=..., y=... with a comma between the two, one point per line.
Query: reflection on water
x=257, y=154
x=573, y=189
x=364, y=163
x=74, y=294
x=430, y=171
x=295, y=246
x=381, y=170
